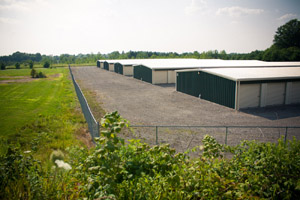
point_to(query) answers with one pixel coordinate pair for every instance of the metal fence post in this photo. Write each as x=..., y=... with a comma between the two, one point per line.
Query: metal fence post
x=285, y=135
x=98, y=129
x=156, y=138
x=226, y=135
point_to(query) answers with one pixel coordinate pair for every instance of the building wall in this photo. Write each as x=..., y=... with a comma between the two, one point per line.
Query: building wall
x=207, y=86
x=142, y=73
x=98, y=63
x=111, y=67
x=159, y=77
x=128, y=70
x=106, y=66
x=118, y=68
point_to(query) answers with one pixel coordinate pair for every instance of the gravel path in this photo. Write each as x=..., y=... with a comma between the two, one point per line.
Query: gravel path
x=145, y=104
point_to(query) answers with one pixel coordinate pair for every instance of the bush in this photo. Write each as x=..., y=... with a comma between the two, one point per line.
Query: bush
x=46, y=64
x=31, y=64
x=35, y=74
x=115, y=170
x=18, y=66
x=3, y=67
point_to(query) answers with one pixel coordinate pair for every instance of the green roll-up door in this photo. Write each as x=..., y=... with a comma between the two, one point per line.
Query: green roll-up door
x=106, y=66
x=142, y=73
x=207, y=86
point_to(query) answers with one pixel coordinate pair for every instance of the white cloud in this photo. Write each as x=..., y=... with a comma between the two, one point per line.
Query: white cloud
x=195, y=6
x=25, y=5
x=237, y=11
x=287, y=17
x=5, y=20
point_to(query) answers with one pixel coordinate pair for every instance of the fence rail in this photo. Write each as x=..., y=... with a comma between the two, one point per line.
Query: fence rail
x=185, y=137
x=93, y=125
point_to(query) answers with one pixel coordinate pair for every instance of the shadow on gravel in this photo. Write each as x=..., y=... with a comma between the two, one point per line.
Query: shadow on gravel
x=275, y=112
x=167, y=85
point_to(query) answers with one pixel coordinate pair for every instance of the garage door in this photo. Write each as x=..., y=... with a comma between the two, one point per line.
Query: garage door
x=295, y=92
x=275, y=94
x=249, y=95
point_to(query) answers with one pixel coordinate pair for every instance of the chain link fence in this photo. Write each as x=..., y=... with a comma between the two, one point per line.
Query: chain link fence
x=183, y=138
x=93, y=125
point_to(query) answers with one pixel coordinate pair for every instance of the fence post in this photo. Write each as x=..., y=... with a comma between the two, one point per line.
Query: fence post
x=226, y=135
x=156, y=137
x=285, y=136
x=98, y=129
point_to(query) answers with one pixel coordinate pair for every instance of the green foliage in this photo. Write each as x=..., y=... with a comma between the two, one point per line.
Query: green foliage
x=41, y=115
x=33, y=73
x=18, y=66
x=3, y=66
x=57, y=155
x=31, y=63
x=115, y=170
x=288, y=35
x=46, y=64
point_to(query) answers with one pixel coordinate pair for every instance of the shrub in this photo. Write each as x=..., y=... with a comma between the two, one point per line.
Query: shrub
x=46, y=64
x=35, y=74
x=3, y=67
x=18, y=66
x=31, y=64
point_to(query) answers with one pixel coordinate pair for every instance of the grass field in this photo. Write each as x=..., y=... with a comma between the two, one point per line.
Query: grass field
x=41, y=114
x=39, y=65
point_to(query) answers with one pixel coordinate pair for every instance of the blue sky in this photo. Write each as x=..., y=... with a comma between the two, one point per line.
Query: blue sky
x=92, y=26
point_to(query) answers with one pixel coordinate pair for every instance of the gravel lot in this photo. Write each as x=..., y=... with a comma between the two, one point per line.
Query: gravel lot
x=145, y=104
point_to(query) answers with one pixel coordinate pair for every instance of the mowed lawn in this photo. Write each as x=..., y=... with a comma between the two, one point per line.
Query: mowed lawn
x=38, y=107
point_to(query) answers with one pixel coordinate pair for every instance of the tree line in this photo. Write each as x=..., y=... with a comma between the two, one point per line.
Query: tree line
x=285, y=47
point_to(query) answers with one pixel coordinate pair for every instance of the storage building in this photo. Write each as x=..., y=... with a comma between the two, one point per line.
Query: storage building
x=162, y=71
x=243, y=87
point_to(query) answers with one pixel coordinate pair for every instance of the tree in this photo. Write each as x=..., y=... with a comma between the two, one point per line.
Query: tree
x=31, y=64
x=47, y=64
x=18, y=66
x=288, y=35
x=33, y=73
x=3, y=66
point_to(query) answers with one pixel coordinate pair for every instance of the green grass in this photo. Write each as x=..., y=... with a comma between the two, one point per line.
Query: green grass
x=38, y=65
x=41, y=115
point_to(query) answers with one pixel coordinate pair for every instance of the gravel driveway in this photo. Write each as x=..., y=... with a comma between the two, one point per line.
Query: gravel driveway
x=145, y=104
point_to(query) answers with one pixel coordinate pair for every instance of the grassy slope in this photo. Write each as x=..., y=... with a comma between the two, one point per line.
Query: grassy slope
x=40, y=113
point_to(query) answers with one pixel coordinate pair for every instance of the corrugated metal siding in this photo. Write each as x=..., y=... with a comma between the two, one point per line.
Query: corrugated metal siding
x=118, y=68
x=105, y=66
x=275, y=94
x=207, y=86
x=295, y=92
x=142, y=73
x=249, y=95
x=98, y=63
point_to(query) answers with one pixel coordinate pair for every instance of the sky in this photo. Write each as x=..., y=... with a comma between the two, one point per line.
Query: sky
x=54, y=27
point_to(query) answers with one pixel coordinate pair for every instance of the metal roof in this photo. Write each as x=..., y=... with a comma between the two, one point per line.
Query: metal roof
x=179, y=63
x=253, y=74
